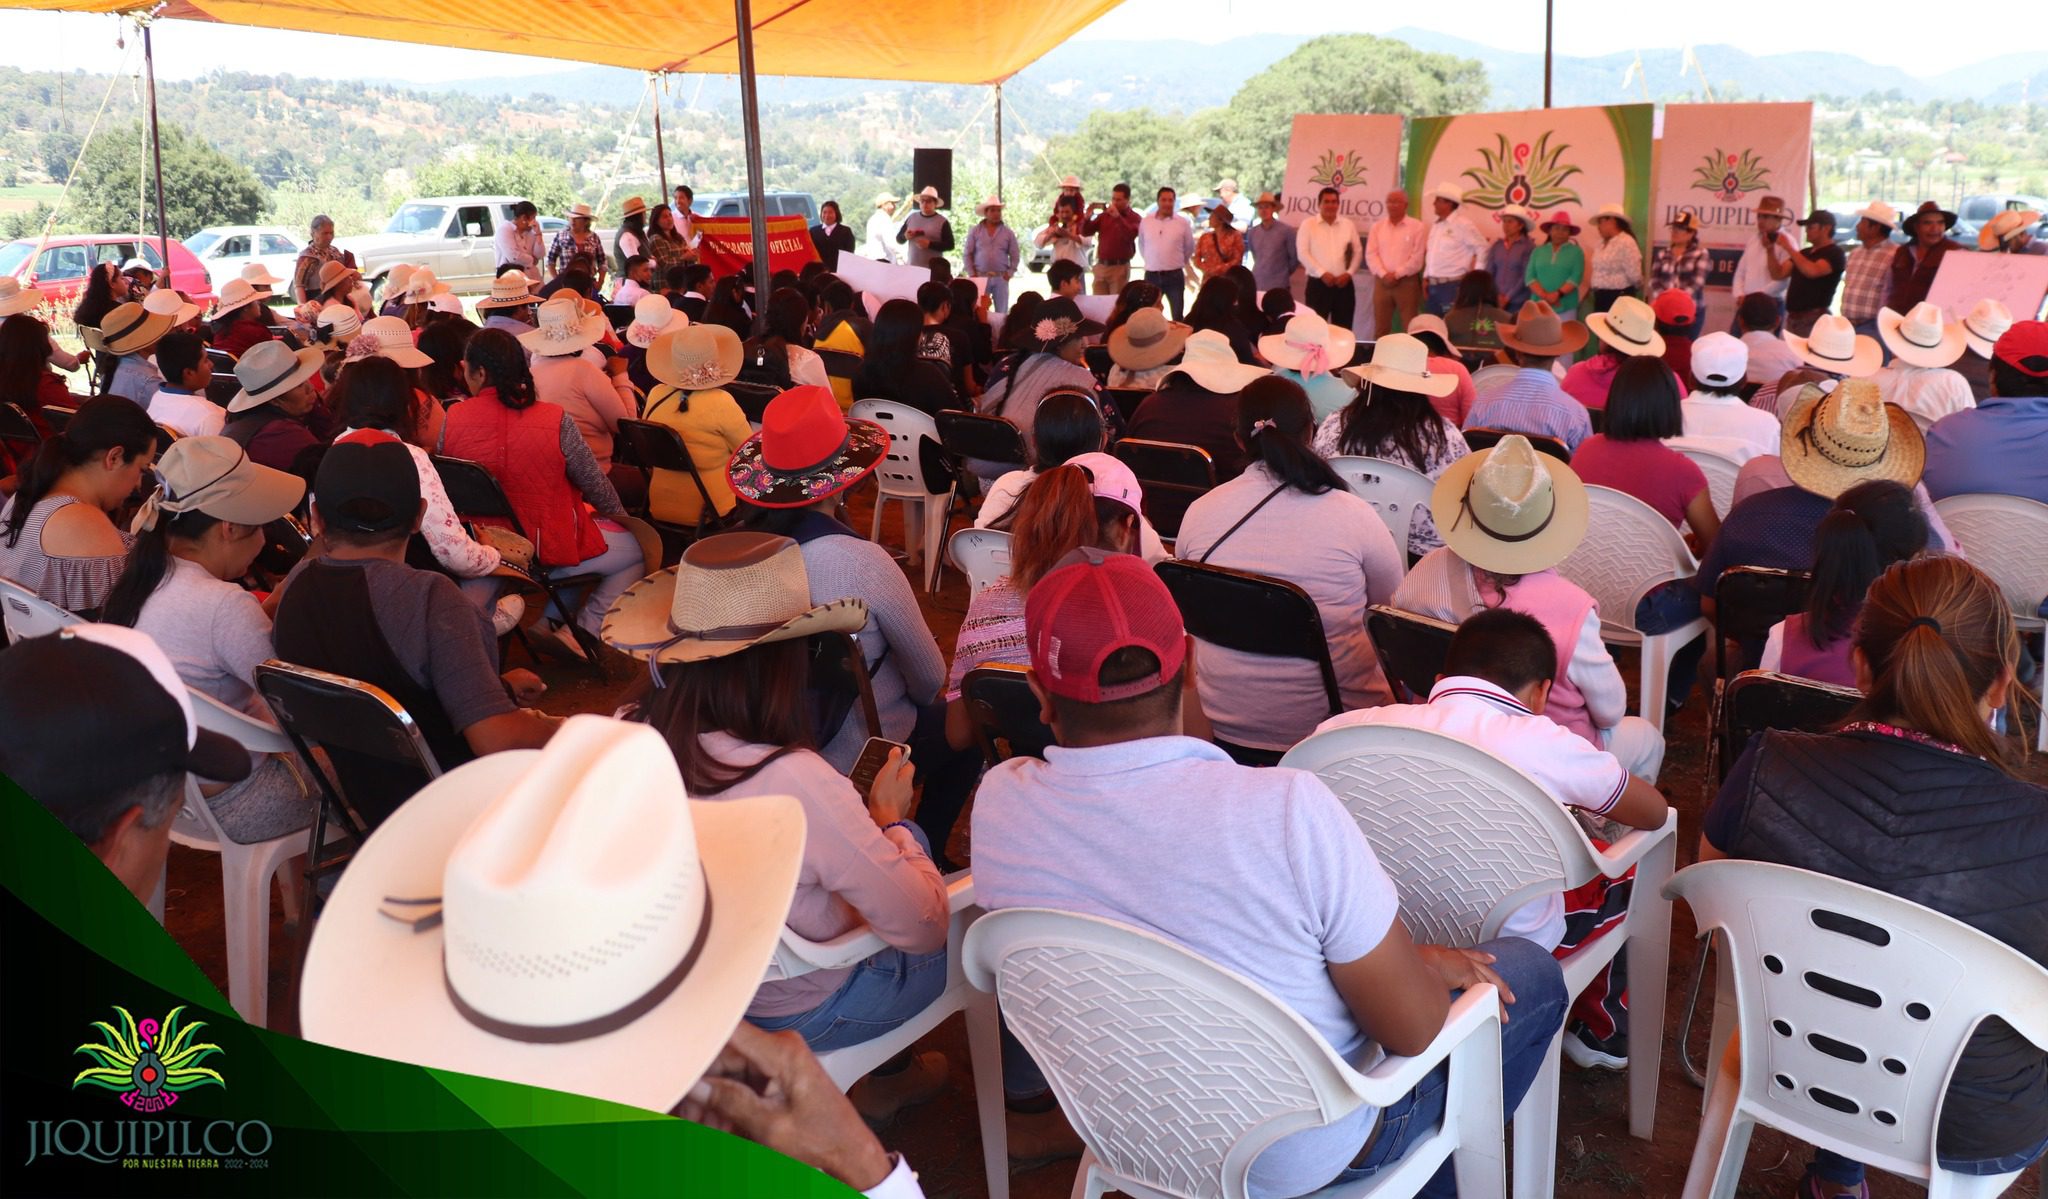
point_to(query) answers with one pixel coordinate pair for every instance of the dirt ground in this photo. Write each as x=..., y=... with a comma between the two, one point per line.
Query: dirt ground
x=1597, y=1158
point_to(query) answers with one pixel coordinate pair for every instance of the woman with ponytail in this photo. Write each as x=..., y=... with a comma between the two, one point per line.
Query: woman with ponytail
x=1918, y=795
x=1290, y=517
x=197, y=534
x=56, y=537
x=1871, y=526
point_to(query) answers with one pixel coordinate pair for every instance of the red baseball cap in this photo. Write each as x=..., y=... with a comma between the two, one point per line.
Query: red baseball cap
x=2024, y=348
x=1080, y=614
x=1674, y=307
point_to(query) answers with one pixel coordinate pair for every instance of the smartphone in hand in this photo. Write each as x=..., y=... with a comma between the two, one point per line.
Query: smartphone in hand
x=873, y=756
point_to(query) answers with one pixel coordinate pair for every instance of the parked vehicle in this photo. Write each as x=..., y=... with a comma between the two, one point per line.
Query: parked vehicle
x=452, y=235
x=60, y=268
x=735, y=204
x=1975, y=210
x=225, y=249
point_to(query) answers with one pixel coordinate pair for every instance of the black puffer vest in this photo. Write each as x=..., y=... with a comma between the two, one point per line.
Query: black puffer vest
x=1949, y=832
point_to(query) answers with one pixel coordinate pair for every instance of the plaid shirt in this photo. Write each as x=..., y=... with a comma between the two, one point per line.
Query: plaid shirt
x=1866, y=281
x=306, y=272
x=567, y=245
x=1686, y=273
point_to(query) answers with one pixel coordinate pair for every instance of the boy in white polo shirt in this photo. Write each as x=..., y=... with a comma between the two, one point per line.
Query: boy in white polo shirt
x=1497, y=676
x=1260, y=870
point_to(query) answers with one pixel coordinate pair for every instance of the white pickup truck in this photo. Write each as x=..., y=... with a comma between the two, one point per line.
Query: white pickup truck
x=452, y=235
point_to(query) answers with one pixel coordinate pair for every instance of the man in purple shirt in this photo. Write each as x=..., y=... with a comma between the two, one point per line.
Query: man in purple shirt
x=1996, y=446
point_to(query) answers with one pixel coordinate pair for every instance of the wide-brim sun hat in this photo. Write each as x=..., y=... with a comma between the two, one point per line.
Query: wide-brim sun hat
x=1510, y=509
x=564, y=328
x=987, y=203
x=1147, y=340
x=653, y=316
x=730, y=592
x=580, y=211
x=696, y=357
x=130, y=328
x=509, y=290
x=1206, y=358
x=1921, y=336
x=1310, y=345
x=1986, y=323
x=1400, y=362
x=235, y=294
x=1834, y=439
x=1931, y=208
x=538, y=971
x=392, y=338
x=632, y=205
x=259, y=275
x=16, y=298
x=1630, y=326
x=271, y=368
x=332, y=274
x=1880, y=213
x=423, y=286
x=808, y=450
x=166, y=302
x=1560, y=217
x=1833, y=345
x=1539, y=330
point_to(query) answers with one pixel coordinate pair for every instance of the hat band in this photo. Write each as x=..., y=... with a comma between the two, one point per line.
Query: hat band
x=1466, y=511
x=1817, y=352
x=583, y=1030
x=1618, y=331
x=1970, y=327
x=1816, y=435
x=254, y=388
x=161, y=499
x=123, y=332
x=1144, y=343
x=1911, y=340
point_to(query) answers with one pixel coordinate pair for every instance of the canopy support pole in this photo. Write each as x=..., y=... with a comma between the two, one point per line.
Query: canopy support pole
x=757, y=198
x=660, y=150
x=156, y=149
x=1549, y=22
x=999, y=141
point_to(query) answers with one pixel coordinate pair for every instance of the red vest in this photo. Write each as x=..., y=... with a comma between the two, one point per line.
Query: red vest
x=523, y=450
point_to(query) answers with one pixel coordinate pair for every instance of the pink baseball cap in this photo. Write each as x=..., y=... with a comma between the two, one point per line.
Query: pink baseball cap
x=1080, y=614
x=1110, y=479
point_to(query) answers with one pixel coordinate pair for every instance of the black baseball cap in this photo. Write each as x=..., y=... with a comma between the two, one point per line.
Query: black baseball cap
x=94, y=709
x=367, y=483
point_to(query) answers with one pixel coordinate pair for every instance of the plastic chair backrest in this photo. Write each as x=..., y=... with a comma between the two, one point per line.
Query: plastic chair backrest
x=1748, y=600
x=1395, y=491
x=1467, y=838
x=1756, y=700
x=2006, y=537
x=839, y=364
x=474, y=491
x=372, y=740
x=1852, y=1004
x=976, y=435
x=256, y=736
x=1095, y=1001
x=1251, y=613
x=1173, y=475
x=17, y=429
x=752, y=398
x=901, y=471
x=983, y=555
x=222, y=389
x=1411, y=649
x=27, y=614
x=659, y=447
x=1628, y=549
x=223, y=361
x=1720, y=470
x=1486, y=439
x=58, y=416
x=1005, y=712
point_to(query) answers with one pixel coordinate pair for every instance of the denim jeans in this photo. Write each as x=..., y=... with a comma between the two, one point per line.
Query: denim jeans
x=1525, y=1041
x=1834, y=1168
x=1438, y=297
x=881, y=994
x=1172, y=287
x=620, y=566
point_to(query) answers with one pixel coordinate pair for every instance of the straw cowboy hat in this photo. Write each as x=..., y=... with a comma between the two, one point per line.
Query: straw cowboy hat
x=270, y=369
x=653, y=316
x=423, y=286
x=509, y=290
x=563, y=328
x=562, y=917
x=580, y=211
x=632, y=205
x=332, y=275
x=807, y=449
x=1207, y=358
x=390, y=337
x=695, y=357
x=1629, y=327
x=1510, y=509
x=1146, y=340
x=1448, y=191
x=1560, y=217
x=882, y=198
x=1986, y=323
x=1308, y=344
x=1071, y=181
x=928, y=193
x=234, y=294
x=1400, y=362
x=1538, y=330
x=994, y=202
x=130, y=328
x=1833, y=440
x=1930, y=208
x=2006, y=226
x=16, y=298
x=258, y=276
x=1835, y=346
x=166, y=302
x=730, y=592
x=1922, y=336
x=1880, y=212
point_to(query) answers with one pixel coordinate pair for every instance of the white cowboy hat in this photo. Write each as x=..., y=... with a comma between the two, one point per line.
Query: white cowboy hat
x=580, y=210
x=423, y=286
x=982, y=208
x=1447, y=191
x=1630, y=326
x=1614, y=210
x=1986, y=323
x=393, y=339
x=929, y=193
x=1922, y=336
x=1881, y=212
x=130, y=328
x=1510, y=509
x=563, y=327
x=166, y=302
x=256, y=275
x=599, y=932
x=271, y=368
x=1400, y=362
x=1207, y=358
x=1835, y=346
x=16, y=298
x=1310, y=345
x=235, y=293
x=730, y=592
x=653, y=316
x=1521, y=214
x=884, y=198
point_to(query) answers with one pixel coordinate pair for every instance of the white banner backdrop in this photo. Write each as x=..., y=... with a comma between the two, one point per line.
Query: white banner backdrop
x=1717, y=161
x=1358, y=154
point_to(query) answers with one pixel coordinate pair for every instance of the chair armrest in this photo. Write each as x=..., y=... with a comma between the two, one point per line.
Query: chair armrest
x=1622, y=856
x=1470, y=1014
x=798, y=956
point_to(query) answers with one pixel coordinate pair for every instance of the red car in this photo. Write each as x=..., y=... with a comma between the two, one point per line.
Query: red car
x=60, y=270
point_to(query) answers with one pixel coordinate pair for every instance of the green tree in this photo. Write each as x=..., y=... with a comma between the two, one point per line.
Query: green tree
x=202, y=186
x=58, y=150
x=498, y=173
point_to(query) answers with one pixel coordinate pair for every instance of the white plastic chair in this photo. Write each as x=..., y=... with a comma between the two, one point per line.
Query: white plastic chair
x=983, y=555
x=1867, y=1082
x=1395, y=491
x=1177, y=1072
x=1720, y=470
x=27, y=614
x=2006, y=537
x=1628, y=550
x=796, y=957
x=1468, y=839
x=901, y=478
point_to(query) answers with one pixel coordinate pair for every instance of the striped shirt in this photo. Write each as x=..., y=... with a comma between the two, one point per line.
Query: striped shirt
x=1532, y=403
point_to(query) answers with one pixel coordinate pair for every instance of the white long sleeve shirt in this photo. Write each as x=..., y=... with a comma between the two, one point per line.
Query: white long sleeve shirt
x=1165, y=242
x=1327, y=247
x=1455, y=247
x=881, y=242
x=1397, y=250
x=1753, y=270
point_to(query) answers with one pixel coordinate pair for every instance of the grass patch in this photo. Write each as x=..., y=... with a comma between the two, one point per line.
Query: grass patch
x=21, y=199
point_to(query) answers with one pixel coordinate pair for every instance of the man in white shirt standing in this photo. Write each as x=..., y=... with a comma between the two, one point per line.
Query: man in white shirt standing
x=518, y=243
x=1328, y=249
x=1166, y=241
x=1456, y=246
x=1395, y=252
x=1766, y=264
x=881, y=240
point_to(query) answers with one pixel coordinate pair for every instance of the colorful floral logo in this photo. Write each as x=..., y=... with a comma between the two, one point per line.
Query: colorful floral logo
x=1728, y=176
x=1339, y=170
x=1532, y=176
x=148, y=1064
